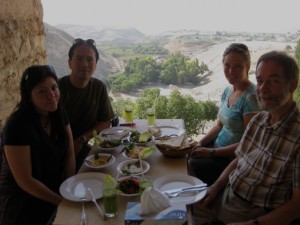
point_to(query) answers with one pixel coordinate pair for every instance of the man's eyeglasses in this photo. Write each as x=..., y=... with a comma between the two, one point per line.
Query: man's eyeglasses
x=79, y=41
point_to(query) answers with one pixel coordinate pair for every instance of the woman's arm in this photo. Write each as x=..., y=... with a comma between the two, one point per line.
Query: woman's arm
x=226, y=151
x=70, y=158
x=19, y=160
x=211, y=134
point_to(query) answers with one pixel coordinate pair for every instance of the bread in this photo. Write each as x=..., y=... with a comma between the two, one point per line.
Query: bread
x=171, y=142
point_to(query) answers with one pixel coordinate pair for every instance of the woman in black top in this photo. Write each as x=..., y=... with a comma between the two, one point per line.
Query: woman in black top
x=38, y=152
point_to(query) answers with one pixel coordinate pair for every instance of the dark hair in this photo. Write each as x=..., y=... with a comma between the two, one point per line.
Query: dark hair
x=31, y=77
x=290, y=67
x=239, y=48
x=79, y=42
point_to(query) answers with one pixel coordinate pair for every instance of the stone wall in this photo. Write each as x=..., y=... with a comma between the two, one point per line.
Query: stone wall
x=21, y=45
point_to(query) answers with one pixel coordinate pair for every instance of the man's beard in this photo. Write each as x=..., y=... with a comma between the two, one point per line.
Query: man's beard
x=277, y=102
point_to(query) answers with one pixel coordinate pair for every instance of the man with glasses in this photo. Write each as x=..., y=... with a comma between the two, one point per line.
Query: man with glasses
x=262, y=184
x=84, y=97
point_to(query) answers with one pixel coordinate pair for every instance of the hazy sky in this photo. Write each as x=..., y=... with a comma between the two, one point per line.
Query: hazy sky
x=153, y=16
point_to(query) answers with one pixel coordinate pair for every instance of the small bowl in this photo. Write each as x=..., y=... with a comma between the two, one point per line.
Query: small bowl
x=135, y=156
x=123, y=165
x=130, y=178
x=92, y=163
x=134, y=137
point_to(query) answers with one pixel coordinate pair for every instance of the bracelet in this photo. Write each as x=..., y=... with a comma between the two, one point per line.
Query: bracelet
x=212, y=152
x=256, y=222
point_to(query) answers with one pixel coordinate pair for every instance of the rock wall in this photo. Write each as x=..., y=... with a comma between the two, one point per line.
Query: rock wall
x=21, y=45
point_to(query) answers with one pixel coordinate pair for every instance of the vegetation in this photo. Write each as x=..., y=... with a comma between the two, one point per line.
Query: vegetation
x=177, y=106
x=176, y=69
x=297, y=57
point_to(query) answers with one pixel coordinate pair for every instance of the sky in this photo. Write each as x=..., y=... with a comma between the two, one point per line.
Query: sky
x=155, y=16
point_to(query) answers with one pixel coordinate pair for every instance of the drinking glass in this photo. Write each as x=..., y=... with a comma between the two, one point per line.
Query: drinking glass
x=128, y=113
x=110, y=201
x=150, y=116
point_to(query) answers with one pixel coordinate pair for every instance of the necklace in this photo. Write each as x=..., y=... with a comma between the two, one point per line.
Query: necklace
x=45, y=122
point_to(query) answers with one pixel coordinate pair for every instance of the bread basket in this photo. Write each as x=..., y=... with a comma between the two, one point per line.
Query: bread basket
x=176, y=152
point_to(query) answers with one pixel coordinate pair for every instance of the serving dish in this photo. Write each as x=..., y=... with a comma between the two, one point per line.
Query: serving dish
x=133, y=167
x=99, y=160
x=129, y=186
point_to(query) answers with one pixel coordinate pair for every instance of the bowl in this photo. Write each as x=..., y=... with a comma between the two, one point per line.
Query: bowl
x=129, y=186
x=132, y=150
x=103, y=161
x=131, y=167
x=135, y=135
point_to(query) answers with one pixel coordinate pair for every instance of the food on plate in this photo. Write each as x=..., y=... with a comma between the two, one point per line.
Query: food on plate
x=134, y=152
x=129, y=185
x=132, y=168
x=155, y=131
x=109, y=144
x=115, y=135
x=98, y=160
x=138, y=137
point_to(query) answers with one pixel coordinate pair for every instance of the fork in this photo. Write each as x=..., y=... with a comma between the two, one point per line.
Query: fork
x=176, y=194
x=83, y=214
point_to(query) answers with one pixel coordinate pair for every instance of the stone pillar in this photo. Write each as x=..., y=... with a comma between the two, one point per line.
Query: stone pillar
x=21, y=45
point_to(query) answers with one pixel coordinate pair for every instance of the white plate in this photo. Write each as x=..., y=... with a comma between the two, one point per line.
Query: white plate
x=145, y=165
x=169, y=130
x=75, y=187
x=114, y=133
x=124, y=178
x=141, y=149
x=173, y=181
x=91, y=157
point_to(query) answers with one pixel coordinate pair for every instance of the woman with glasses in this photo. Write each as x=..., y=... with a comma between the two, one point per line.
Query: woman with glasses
x=84, y=97
x=38, y=151
x=238, y=105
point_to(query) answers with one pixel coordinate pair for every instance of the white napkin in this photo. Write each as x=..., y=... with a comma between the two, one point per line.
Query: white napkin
x=153, y=201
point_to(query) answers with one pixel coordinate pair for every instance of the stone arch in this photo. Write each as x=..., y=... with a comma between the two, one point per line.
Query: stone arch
x=22, y=44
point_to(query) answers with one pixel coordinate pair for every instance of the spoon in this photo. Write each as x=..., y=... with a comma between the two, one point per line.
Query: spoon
x=83, y=214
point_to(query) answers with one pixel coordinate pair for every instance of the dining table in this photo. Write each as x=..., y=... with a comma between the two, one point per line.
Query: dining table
x=69, y=212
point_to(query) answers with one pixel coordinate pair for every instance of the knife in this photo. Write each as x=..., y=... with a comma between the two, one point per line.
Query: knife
x=92, y=197
x=195, y=187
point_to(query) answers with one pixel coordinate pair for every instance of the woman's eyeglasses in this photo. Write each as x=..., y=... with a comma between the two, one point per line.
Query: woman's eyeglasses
x=79, y=41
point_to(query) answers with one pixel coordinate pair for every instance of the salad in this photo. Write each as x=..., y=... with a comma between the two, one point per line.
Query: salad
x=129, y=185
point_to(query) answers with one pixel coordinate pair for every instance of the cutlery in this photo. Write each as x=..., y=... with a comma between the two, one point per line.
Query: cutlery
x=185, y=188
x=175, y=194
x=92, y=197
x=83, y=214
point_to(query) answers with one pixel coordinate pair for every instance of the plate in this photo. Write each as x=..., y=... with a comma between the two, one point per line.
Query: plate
x=129, y=177
x=125, y=163
x=173, y=181
x=134, y=137
x=115, y=133
x=168, y=131
x=136, y=150
x=75, y=187
x=90, y=159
